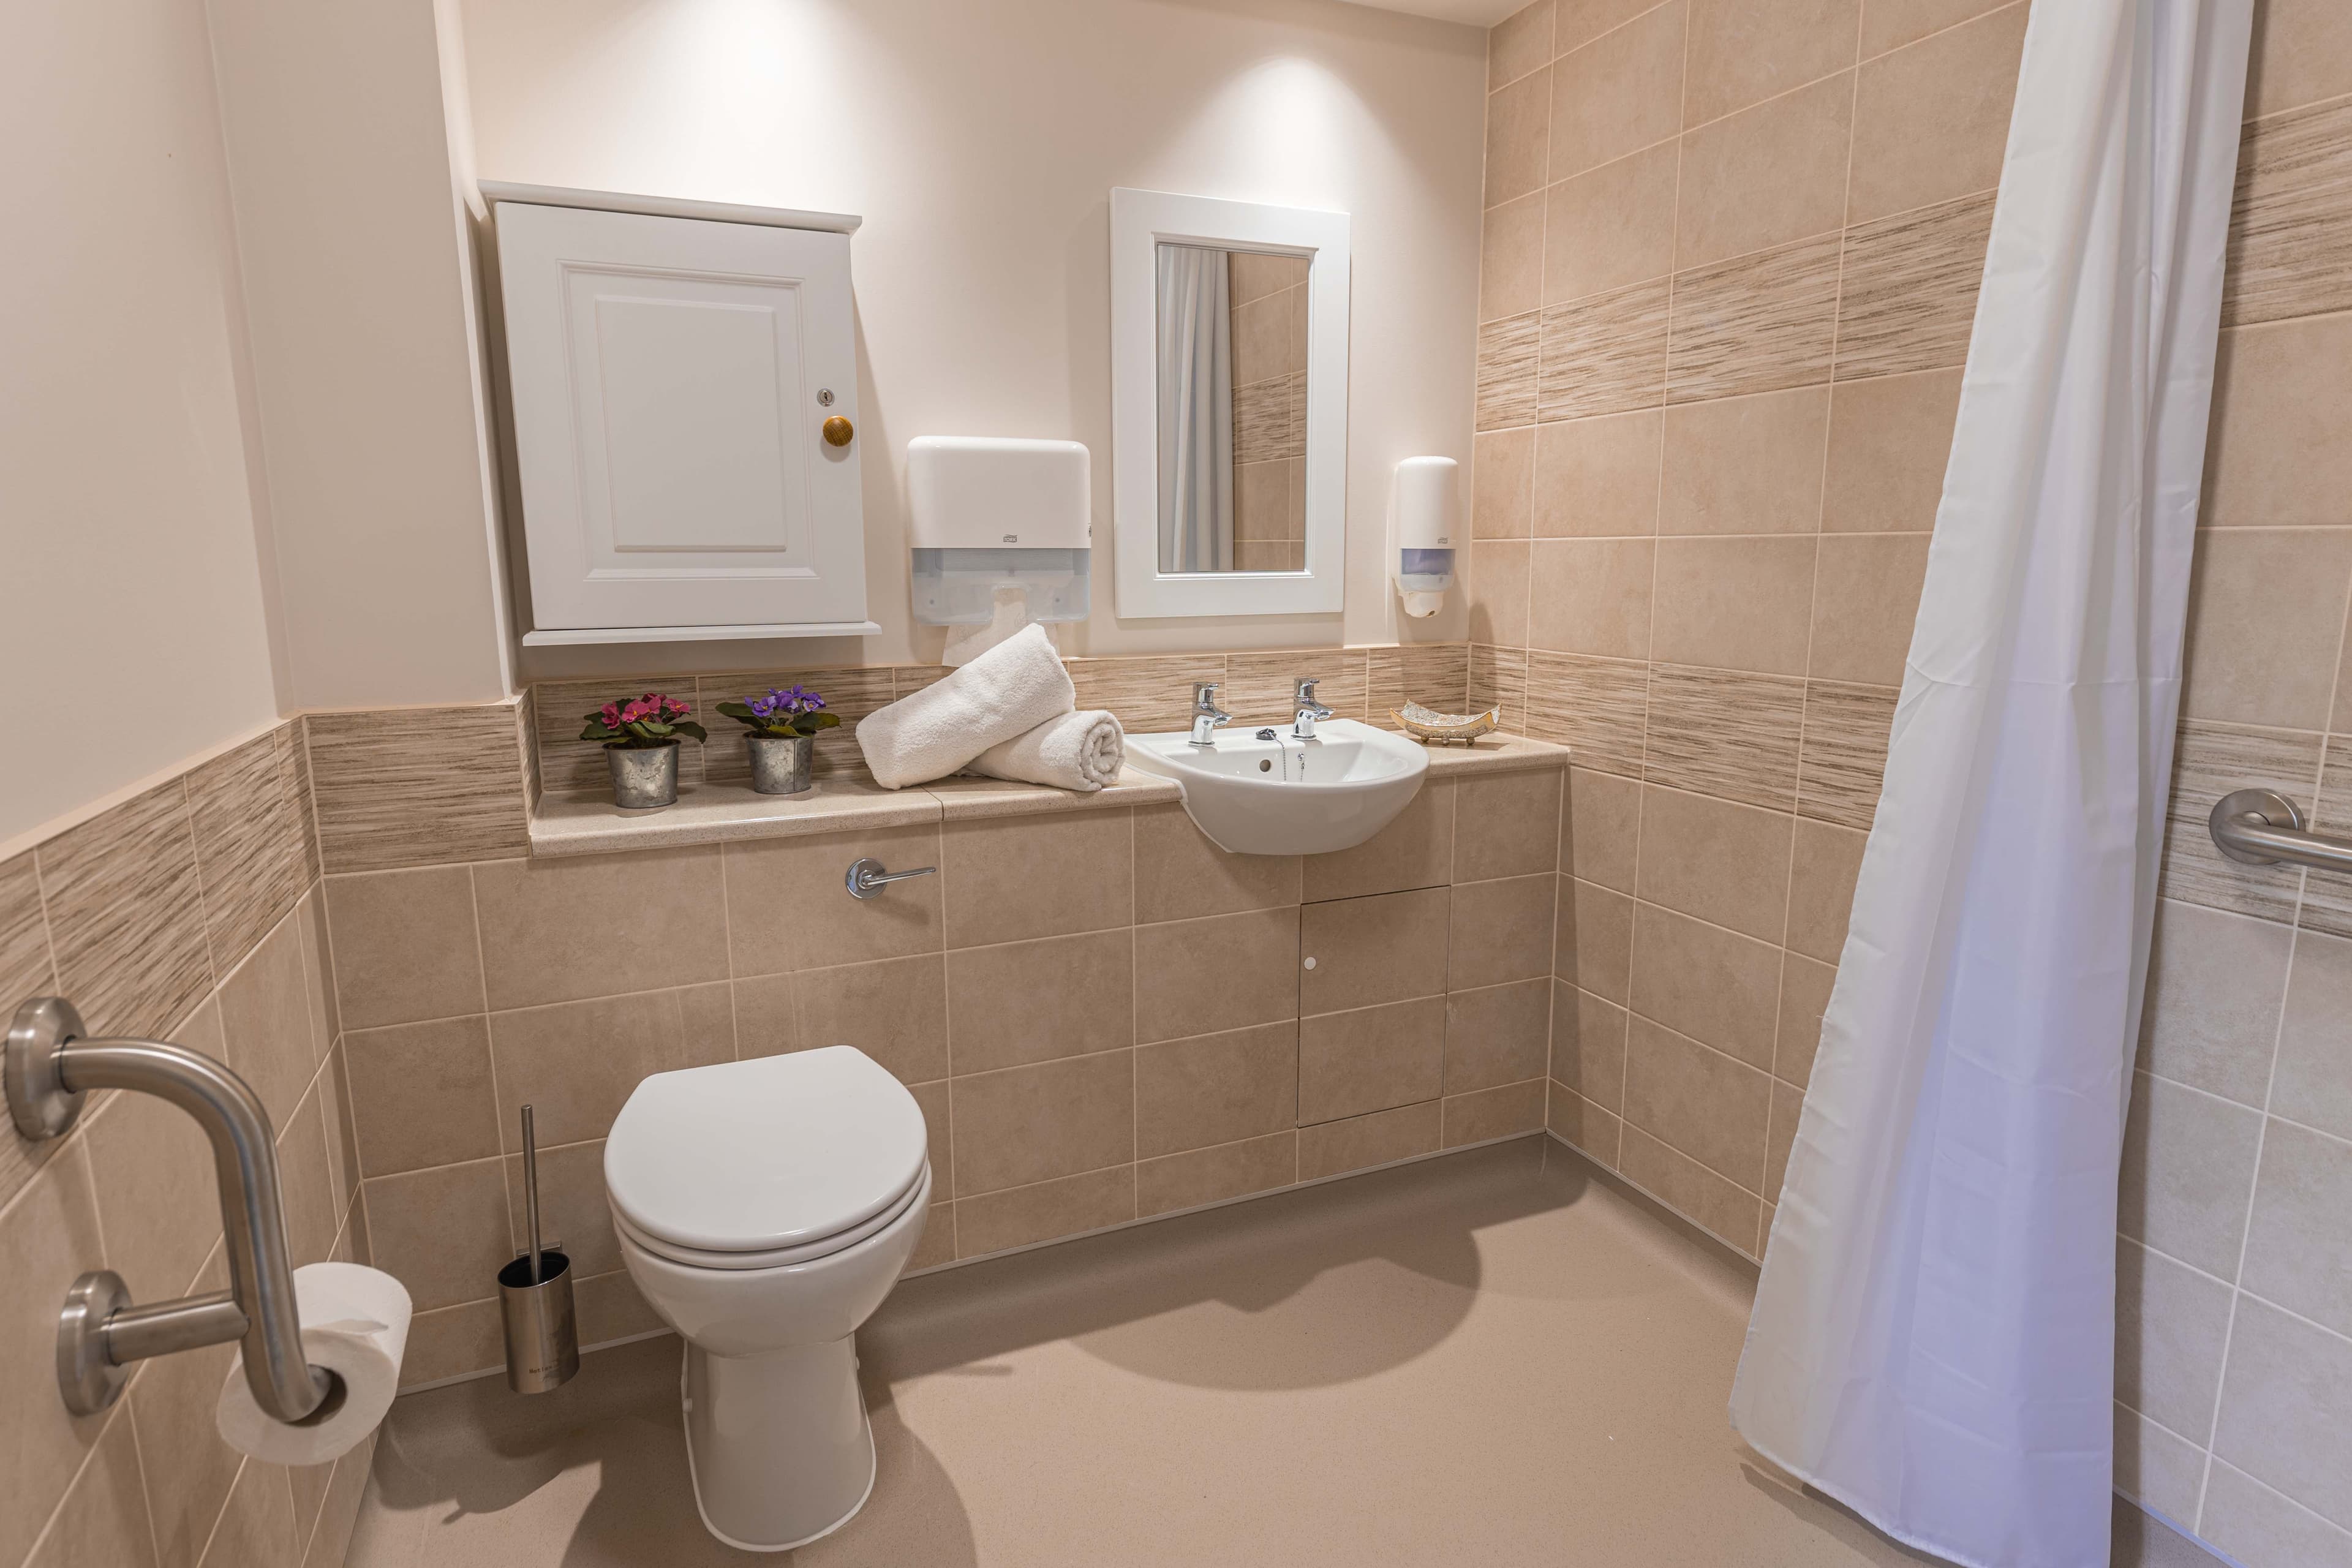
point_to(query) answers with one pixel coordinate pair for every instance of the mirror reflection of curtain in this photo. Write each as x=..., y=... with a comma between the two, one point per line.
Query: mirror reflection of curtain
x=1196, y=411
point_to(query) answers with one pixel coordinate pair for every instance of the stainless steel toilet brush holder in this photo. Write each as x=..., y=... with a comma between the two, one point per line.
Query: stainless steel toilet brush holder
x=535, y=1298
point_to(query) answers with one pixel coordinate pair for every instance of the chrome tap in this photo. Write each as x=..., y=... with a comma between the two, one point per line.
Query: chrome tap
x=1310, y=711
x=1206, y=715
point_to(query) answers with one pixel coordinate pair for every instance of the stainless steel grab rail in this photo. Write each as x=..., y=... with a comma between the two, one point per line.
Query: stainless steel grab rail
x=49, y=1067
x=2262, y=827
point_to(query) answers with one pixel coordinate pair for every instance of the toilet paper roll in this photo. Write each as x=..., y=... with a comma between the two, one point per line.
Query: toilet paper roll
x=356, y=1325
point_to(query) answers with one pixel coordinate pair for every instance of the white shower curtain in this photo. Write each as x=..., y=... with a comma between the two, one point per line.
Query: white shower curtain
x=1933, y=1337
x=1196, y=410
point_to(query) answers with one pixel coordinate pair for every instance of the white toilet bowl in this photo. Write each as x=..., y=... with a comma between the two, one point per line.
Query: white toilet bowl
x=766, y=1208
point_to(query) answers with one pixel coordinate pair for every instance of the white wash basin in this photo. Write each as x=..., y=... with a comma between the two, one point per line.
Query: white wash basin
x=1278, y=796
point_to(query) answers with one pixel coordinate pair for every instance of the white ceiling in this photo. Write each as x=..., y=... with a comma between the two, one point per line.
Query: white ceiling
x=1477, y=13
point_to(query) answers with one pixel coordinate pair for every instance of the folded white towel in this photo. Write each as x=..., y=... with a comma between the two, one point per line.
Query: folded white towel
x=1010, y=689
x=1082, y=750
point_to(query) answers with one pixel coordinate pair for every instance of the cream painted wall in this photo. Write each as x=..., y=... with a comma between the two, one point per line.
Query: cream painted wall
x=370, y=411
x=135, y=611
x=979, y=139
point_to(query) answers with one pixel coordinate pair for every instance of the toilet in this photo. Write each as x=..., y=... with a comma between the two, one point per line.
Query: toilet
x=766, y=1208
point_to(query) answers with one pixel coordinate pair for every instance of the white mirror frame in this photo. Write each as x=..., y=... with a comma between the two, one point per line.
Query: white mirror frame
x=1140, y=222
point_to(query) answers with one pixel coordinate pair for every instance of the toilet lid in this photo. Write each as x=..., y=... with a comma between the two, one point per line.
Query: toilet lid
x=757, y=1156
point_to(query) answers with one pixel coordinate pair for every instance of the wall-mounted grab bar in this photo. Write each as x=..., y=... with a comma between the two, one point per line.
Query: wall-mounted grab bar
x=49, y=1066
x=2262, y=827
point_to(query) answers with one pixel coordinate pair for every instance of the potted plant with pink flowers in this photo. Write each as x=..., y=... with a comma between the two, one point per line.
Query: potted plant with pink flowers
x=781, y=734
x=640, y=735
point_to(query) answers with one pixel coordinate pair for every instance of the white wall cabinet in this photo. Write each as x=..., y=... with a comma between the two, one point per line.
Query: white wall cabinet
x=673, y=367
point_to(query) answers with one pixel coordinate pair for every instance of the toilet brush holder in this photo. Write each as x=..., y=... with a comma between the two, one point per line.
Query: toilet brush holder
x=535, y=1297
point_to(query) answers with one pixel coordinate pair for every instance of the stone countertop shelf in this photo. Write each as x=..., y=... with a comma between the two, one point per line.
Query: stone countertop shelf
x=712, y=813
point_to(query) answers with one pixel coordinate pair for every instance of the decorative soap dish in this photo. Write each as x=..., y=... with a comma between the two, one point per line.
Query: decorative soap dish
x=1429, y=727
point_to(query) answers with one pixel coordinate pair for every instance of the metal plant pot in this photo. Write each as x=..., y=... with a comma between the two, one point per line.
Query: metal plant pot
x=779, y=763
x=644, y=776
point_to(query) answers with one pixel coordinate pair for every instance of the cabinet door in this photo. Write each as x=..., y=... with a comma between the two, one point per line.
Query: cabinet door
x=671, y=380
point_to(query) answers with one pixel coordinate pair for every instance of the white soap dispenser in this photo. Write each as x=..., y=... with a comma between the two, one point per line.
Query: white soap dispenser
x=1422, y=508
x=1001, y=536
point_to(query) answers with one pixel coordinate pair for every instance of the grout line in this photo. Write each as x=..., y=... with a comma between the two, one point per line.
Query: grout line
x=491, y=1046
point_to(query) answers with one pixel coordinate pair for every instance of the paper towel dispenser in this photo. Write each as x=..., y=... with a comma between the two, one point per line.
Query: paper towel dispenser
x=1000, y=534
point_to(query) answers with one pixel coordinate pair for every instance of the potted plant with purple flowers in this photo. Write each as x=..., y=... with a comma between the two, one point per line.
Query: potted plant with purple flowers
x=781, y=735
x=640, y=736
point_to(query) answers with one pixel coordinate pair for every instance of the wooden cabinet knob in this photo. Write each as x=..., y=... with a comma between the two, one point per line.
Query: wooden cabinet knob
x=837, y=431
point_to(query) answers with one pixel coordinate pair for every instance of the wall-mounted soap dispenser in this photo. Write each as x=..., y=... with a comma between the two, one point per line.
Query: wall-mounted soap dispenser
x=1422, y=504
x=1001, y=536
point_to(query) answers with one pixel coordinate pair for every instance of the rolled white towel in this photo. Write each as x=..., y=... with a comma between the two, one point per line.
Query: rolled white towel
x=1012, y=689
x=1082, y=750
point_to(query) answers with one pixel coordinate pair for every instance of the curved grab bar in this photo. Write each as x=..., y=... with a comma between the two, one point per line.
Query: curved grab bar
x=2263, y=828
x=49, y=1067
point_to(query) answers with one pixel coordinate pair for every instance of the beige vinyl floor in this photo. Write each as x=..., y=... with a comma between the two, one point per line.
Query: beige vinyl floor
x=1490, y=1359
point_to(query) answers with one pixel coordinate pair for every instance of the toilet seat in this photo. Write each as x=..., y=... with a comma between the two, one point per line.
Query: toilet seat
x=755, y=1165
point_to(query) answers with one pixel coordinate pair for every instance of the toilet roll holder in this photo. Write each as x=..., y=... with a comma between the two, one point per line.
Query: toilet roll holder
x=50, y=1067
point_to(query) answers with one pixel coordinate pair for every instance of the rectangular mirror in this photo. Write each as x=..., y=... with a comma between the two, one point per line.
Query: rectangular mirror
x=1229, y=386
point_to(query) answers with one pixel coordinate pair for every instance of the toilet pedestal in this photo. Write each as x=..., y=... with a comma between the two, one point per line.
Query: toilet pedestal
x=778, y=1445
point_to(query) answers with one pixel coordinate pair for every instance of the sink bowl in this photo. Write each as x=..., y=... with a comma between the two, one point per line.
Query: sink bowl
x=1258, y=791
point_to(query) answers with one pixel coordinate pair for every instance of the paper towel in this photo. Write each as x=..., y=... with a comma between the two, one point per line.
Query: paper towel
x=356, y=1325
x=1009, y=614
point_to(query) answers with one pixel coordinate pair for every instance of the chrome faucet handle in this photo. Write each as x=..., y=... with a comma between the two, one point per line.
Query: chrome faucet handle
x=1206, y=715
x=1308, y=709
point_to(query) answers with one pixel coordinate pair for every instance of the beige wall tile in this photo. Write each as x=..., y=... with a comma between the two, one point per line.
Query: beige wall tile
x=1583, y=1126
x=1357, y=1143
x=406, y=948
x=1621, y=91
x=1179, y=874
x=767, y=1013
x=2210, y=761
x=1068, y=1206
x=451, y=1342
x=572, y=1212
x=1909, y=297
x=1723, y=1208
x=1497, y=1034
x=442, y=1233
x=1767, y=176
x=556, y=931
x=1218, y=973
x=1211, y=1175
x=1414, y=850
x=1511, y=258
x=252, y=842
x=1501, y=931
x=1507, y=825
x=1888, y=442
x=1579, y=22
x=2171, y=1323
x=2313, y=1082
x=422, y=1094
x=1745, y=465
x=1609, y=226
x=2302, y=53
x=1842, y=761
x=577, y=1063
x=1056, y=996
x=1372, y=950
x=1805, y=985
x=48, y=1235
x=102, y=1523
x=2280, y=455
x=2253, y=1523
x=266, y=1025
x=935, y=1100
x=610, y=1307
x=1865, y=602
x=2283, y=1403
x=1588, y=1045
x=1604, y=814
x=1821, y=875
x=1743, y=52
x=126, y=914
x=1718, y=732
x=418, y=786
x=1508, y=1111
x=1498, y=592
x=1715, y=986
x=1931, y=122
x=1518, y=44
x=938, y=1246
x=2296, y=1251
x=773, y=884
x=1149, y=693
x=1721, y=862
x=1498, y=680
x=318, y=964
x=1032, y=1123
x=152, y=1175
x=189, y=1471
x=2157, y=1468
x=2215, y=986
x=1518, y=135
x=1596, y=707
x=1215, y=1088
x=1597, y=478
x=257, y=1528
x=1758, y=322
x=1592, y=597
x=1264, y=686
x=1595, y=939
x=1261, y=338
x=1008, y=878
x=2188, y=1163
x=2291, y=234
x=1506, y=381
x=895, y=1010
x=1605, y=353
x=1433, y=674
x=1501, y=463
x=1891, y=24
x=1733, y=604
x=2265, y=618
x=1373, y=1058
x=1780, y=1139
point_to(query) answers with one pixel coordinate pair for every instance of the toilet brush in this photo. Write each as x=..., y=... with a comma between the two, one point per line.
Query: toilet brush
x=535, y=1296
